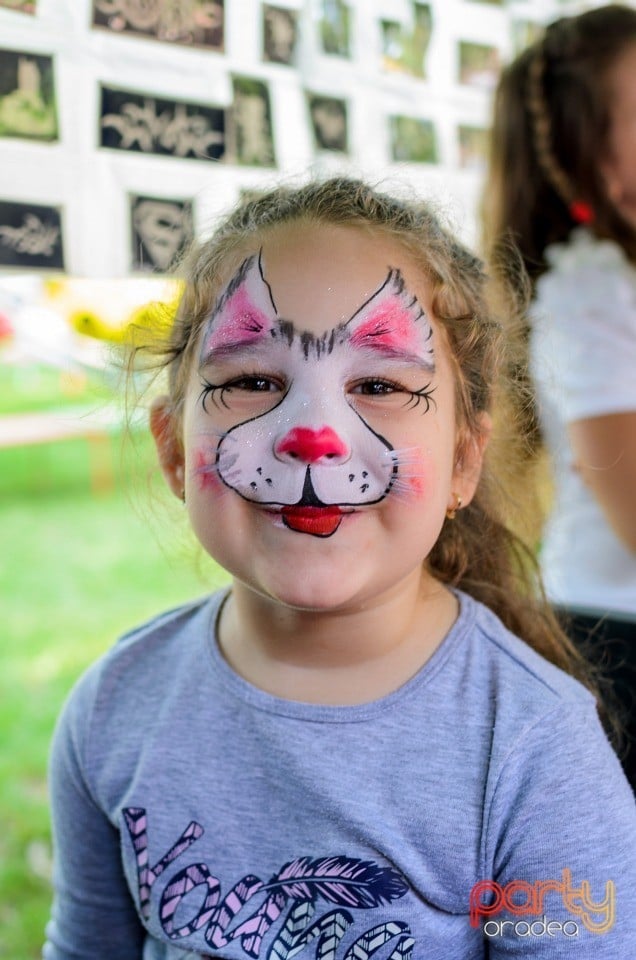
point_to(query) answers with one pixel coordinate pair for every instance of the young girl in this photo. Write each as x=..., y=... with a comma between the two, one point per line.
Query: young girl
x=562, y=185
x=346, y=754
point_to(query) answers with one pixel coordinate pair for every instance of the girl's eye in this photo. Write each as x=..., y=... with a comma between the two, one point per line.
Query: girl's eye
x=248, y=388
x=375, y=388
x=253, y=384
x=396, y=392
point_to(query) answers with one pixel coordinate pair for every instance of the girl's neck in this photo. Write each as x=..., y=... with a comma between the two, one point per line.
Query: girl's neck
x=340, y=657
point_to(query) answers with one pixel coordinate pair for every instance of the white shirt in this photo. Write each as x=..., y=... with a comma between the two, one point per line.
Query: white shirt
x=583, y=363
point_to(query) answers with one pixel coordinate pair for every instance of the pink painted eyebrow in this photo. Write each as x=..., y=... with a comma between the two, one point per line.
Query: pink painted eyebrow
x=385, y=345
x=390, y=324
x=239, y=320
x=392, y=328
x=248, y=324
x=236, y=350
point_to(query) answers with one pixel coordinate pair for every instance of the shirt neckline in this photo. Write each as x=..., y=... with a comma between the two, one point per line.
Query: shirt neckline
x=259, y=699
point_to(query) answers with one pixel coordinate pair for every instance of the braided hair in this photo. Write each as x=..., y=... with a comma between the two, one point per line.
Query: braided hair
x=551, y=126
x=543, y=136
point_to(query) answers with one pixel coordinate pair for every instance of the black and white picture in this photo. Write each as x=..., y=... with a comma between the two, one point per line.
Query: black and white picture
x=525, y=32
x=413, y=140
x=473, y=147
x=280, y=34
x=30, y=236
x=27, y=96
x=404, y=47
x=250, y=137
x=22, y=6
x=147, y=124
x=479, y=65
x=329, y=122
x=161, y=231
x=193, y=22
x=335, y=28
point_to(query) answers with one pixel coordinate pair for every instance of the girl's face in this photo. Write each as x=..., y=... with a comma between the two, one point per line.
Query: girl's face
x=619, y=166
x=319, y=422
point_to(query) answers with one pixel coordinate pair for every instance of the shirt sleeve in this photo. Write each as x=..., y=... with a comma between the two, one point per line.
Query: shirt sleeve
x=93, y=915
x=584, y=341
x=563, y=831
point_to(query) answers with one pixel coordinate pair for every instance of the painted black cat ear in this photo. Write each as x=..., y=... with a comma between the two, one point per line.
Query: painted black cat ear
x=393, y=319
x=244, y=313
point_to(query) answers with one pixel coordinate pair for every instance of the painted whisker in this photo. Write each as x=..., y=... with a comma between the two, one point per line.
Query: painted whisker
x=227, y=462
x=404, y=490
x=406, y=456
x=410, y=476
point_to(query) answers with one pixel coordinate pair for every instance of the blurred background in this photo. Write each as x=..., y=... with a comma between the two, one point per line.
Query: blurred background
x=126, y=128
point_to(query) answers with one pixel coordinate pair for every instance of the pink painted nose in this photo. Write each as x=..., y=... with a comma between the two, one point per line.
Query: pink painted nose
x=312, y=446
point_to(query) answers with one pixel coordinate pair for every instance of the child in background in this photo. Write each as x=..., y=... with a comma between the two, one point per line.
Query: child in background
x=346, y=753
x=562, y=187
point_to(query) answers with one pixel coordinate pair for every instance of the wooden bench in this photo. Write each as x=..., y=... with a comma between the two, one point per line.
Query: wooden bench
x=30, y=429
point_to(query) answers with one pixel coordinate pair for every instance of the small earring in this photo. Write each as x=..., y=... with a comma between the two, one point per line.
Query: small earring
x=451, y=513
x=183, y=496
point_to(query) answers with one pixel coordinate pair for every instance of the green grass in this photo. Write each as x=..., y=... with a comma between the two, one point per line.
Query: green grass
x=31, y=387
x=76, y=571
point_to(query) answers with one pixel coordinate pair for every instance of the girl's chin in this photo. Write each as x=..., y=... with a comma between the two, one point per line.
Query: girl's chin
x=309, y=592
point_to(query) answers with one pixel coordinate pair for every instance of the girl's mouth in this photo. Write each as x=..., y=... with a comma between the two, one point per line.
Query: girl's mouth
x=317, y=521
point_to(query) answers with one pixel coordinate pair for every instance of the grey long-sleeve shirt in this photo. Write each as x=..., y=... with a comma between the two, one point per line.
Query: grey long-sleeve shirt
x=197, y=815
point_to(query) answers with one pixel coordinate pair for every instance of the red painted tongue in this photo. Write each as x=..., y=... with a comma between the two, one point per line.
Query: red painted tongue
x=318, y=521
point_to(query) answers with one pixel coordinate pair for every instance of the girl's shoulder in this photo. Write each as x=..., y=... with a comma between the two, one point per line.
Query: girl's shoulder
x=516, y=666
x=589, y=287
x=166, y=624
x=536, y=713
x=583, y=251
x=147, y=658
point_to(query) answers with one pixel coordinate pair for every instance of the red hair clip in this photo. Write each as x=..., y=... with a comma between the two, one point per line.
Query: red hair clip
x=581, y=212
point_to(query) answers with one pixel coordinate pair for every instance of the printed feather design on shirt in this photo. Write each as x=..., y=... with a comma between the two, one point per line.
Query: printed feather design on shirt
x=344, y=881
x=341, y=880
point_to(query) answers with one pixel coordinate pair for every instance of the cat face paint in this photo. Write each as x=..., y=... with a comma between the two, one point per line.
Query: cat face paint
x=302, y=445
